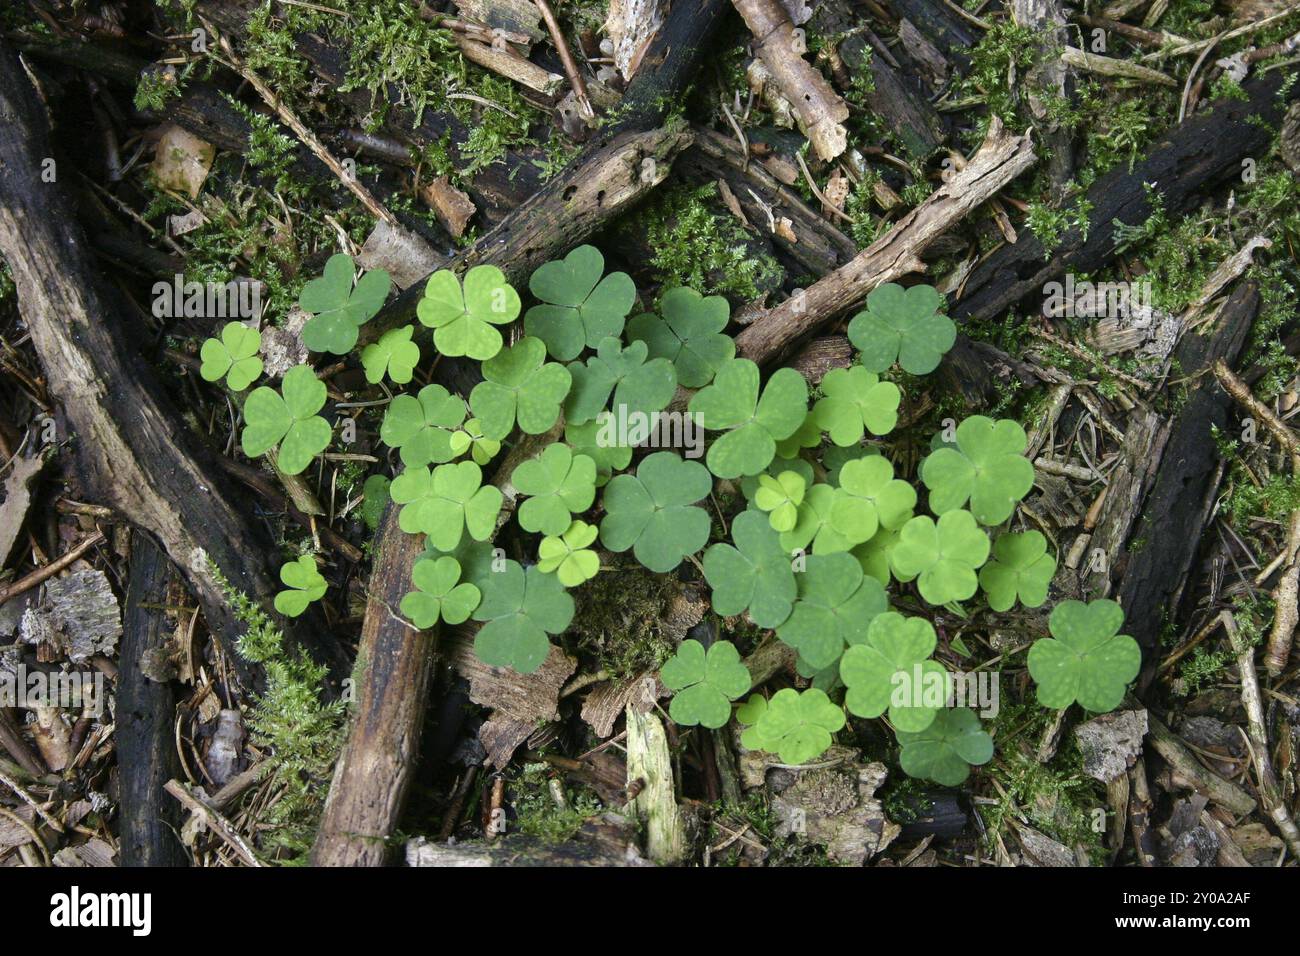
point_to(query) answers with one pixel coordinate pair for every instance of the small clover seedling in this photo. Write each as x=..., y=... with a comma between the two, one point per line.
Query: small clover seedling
x=578, y=306
x=339, y=307
x=813, y=524
x=1086, y=659
x=753, y=424
x=856, y=401
x=780, y=497
x=942, y=557
x=902, y=325
x=423, y=426
x=288, y=419
x=446, y=502
x=689, y=335
x=985, y=465
x=394, y=354
x=836, y=605
x=945, y=750
x=518, y=611
x=463, y=319
x=638, y=386
x=559, y=484
x=1021, y=567
x=795, y=726
x=609, y=457
x=567, y=556
x=305, y=583
x=520, y=385
x=481, y=448
x=755, y=575
x=653, y=512
x=438, y=595
x=705, y=684
x=871, y=497
x=892, y=671
x=234, y=355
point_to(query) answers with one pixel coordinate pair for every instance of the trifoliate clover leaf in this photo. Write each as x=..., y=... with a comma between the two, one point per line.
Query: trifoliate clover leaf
x=813, y=524
x=780, y=497
x=870, y=497
x=480, y=562
x=751, y=710
x=234, y=355
x=422, y=425
x=594, y=440
x=754, y=575
x=520, y=385
x=689, y=335
x=749, y=484
x=289, y=418
x=825, y=678
x=795, y=726
x=1021, y=567
x=638, y=387
x=705, y=683
x=653, y=512
x=470, y=435
x=438, y=594
x=874, y=556
x=394, y=354
x=1086, y=658
x=834, y=458
x=340, y=308
x=463, y=319
x=559, y=484
x=567, y=556
x=942, y=557
x=892, y=671
x=856, y=400
x=374, y=498
x=518, y=611
x=902, y=325
x=578, y=308
x=753, y=424
x=446, y=502
x=305, y=583
x=836, y=605
x=945, y=750
x=807, y=435
x=986, y=466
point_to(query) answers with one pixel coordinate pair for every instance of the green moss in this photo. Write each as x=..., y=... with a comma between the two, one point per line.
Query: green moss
x=538, y=815
x=1003, y=49
x=619, y=620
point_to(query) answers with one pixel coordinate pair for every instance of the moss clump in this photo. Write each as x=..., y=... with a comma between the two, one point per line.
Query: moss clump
x=538, y=814
x=620, y=620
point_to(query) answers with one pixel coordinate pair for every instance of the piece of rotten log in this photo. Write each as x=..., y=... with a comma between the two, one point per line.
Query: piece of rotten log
x=607, y=840
x=1046, y=83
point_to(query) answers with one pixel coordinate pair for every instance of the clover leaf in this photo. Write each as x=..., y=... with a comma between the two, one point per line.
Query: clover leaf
x=813, y=523
x=755, y=574
x=374, y=498
x=871, y=497
x=780, y=497
x=470, y=435
x=753, y=424
x=834, y=458
x=394, y=353
x=835, y=606
x=874, y=556
x=1021, y=567
x=751, y=710
x=422, y=425
x=520, y=385
x=445, y=502
x=590, y=440
x=943, y=556
x=578, y=306
x=234, y=355
x=339, y=307
x=856, y=400
x=463, y=318
x=438, y=594
x=519, y=610
x=902, y=325
x=305, y=583
x=689, y=335
x=1086, y=659
x=653, y=511
x=288, y=418
x=892, y=671
x=705, y=683
x=807, y=435
x=749, y=485
x=945, y=750
x=567, y=557
x=639, y=387
x=796, y=726
x=559, y=484
x=985, y=465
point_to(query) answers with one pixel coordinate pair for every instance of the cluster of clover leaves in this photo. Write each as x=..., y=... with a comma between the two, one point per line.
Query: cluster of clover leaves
x=830, y=527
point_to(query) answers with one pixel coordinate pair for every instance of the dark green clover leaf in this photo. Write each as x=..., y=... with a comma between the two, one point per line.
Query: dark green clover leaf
x=305, y=583
x=836, y=605
x=754, y=575
x=780, y=497
x=234, y=355
x=591, y=440
x=519, y=610
x=438, y=595
x=892, y=671
x=705, y=684
x=986, y=466
x=689, y=335
x=943, y=557
x=394, y=354
x=653, y=511
x=559, y=484
x=520, y=385
x=567, y=556
x=1086, y=658
x=795, y=726
x=639, y=387
x=1021, y=567
x=423, y=426
x=945, y=751
x=339, y=308
x=578, y=306
x=902, y=325
x=753, y=424
x=856, y=400
x=463, y=319
x=870, y=497
x=288, y=418
x=446, y=502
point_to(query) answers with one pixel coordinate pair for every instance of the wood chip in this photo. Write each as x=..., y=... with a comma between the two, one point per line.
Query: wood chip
x=452, y=206
x=181, y=161
x=18, y=499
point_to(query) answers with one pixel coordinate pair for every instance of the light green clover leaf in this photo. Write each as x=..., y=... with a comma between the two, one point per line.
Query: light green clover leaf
x=446, y=502
x=892, y=671
x=945, y=750
x=559, y=484
x=807, y=435
x=986, y=466
x=394, y=353
x=1021, y=567
x=481, y=448
x=749, y=485
x=593, y=440
x=870, y=497
x=305, y=583
x=653, y=511
x=836, y=605
x=834, y=458
x=288, y=418
x=234, y=355
x=422, y=425
x=705, y=683
x=340, y=308
x=567, y=555
x=463, y=318
x=780, y=497
x=374, y=498
x=753, y=424
x=751, y=710
x=813, y=524
x=943, y=556
x=520, y=385
x=519, y=610
x=902, y=325
x=795, y=726
x=1086, y=659
x=438, y=594
x=578, y=306
x=689, y=335
x=755, y=574
x=638, y=386
x=855, y=400
x=874, y=556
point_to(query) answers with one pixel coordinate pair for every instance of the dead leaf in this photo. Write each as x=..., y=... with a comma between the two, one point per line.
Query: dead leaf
x=403, y=254
x=181, y=161
x=836, y=191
